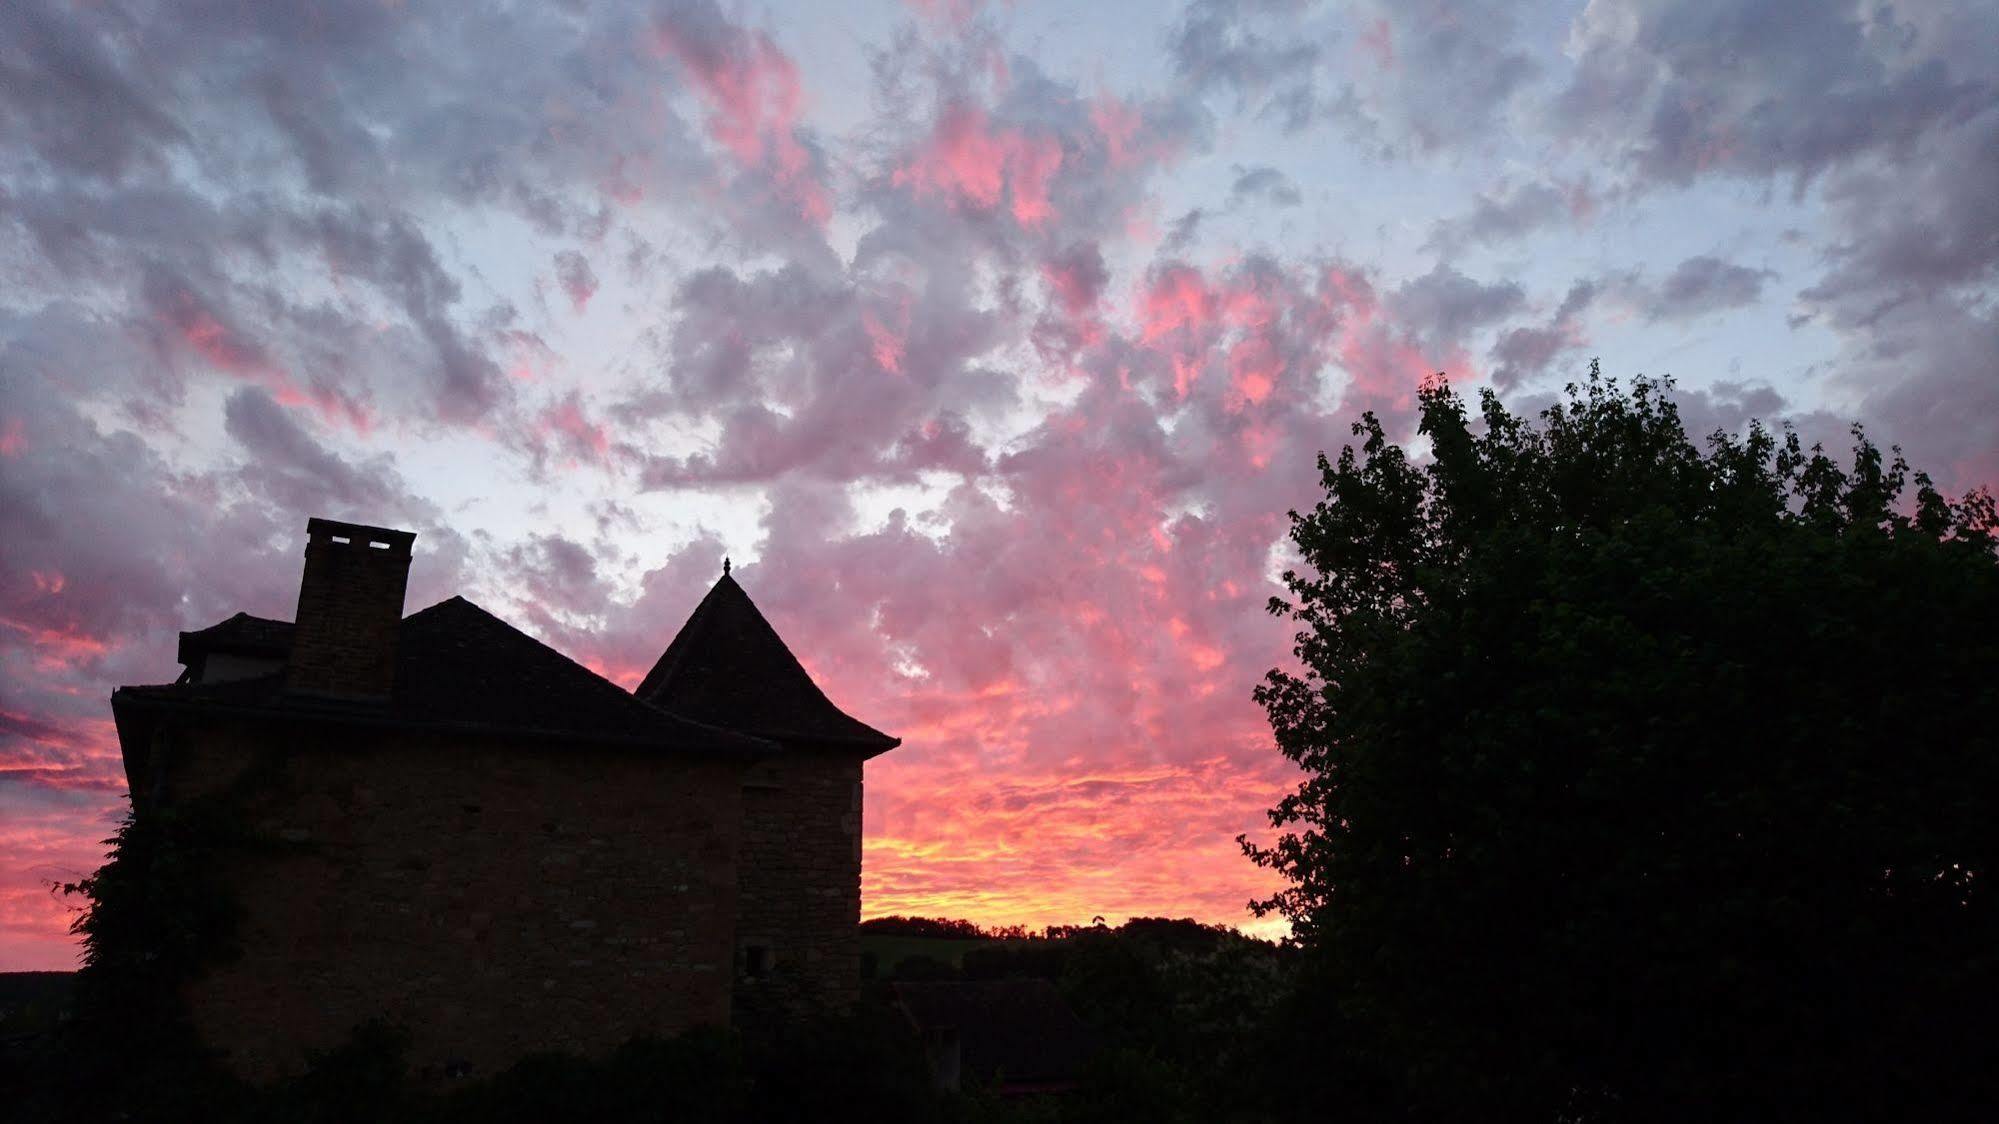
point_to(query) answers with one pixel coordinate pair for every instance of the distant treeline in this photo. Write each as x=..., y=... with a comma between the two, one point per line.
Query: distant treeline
x=951, y=928
x=943, y=928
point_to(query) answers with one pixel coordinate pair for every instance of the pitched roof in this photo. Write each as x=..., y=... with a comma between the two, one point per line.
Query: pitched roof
x=728, y=667
x=1017, y=1033
x=241, y=634
x=459, y=667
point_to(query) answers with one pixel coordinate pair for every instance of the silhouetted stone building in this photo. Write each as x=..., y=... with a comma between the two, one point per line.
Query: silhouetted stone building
x=452, y=826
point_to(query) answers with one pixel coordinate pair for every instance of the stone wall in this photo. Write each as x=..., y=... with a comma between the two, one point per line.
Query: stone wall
x=493, y=898
x=800, y=892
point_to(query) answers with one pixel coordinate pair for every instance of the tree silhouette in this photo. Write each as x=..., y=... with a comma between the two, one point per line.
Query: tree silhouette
x=1642, y=781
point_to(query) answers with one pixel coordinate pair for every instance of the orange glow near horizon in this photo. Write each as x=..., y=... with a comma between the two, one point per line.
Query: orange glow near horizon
x=1062, y=848
x=987, y=845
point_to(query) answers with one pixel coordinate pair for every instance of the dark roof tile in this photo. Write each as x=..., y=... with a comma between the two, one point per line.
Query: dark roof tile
x=728, y=667
x=460, y=667
x=241, y=634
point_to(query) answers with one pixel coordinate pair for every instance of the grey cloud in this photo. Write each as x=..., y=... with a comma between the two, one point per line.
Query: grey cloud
x=555, y=572
x=741, y=341
x=1892, y=109
x=335, y=152
x=1524, y=352
x=1445, y=306
x=107, y=548
x=1445, y=74
x=1924, y=373
x=578, y=280
x=296, y=473
x=302, y=153
x=1729, y=406
x=1083, y=274
x=1698, y=286
x=1251, y=49
x=66, y=96
x=1287, y=61
x=1704, y=284
x=1511, y=213
x=1680, y=88
x=1264, y=183
x=1181, y=235
x=391, y=253
x=100, y=545
x=1930, y=226
x=99, y=235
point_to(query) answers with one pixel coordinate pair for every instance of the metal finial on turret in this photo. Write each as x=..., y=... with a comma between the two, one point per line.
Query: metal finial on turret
x=725, y=565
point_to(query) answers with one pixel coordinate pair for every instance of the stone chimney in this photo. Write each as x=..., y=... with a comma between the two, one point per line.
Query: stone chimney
x=350, y=609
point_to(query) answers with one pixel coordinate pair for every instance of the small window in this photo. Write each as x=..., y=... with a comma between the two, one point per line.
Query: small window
x=756, y=961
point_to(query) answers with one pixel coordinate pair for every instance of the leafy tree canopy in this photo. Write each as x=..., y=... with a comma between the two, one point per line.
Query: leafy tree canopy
x=1642, y=779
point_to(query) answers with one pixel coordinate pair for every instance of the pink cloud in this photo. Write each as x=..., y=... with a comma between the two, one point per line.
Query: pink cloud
x=1118, y=123
x=576, y=438
x=222, y=347
x=755, y=104
x=46, y=843
x=200, y=330
x=57, y=647
x=1254, y=368
x=972, y=163
x=1072, y=285
x=1033, y=163
x=955, y=14
x=1378, y=41
x=1384, y=362
x=1177, y=300
x=886, y=344
x=1239, y=318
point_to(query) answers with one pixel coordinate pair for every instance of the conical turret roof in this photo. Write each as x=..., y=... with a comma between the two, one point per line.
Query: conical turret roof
x=728, y=667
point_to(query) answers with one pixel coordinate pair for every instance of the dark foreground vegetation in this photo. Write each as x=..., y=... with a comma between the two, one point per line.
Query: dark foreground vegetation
x=1645, y=779
x=1182, y=1013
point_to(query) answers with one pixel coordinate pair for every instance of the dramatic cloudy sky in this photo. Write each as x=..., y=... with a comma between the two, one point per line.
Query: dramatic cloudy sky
x=991, y=341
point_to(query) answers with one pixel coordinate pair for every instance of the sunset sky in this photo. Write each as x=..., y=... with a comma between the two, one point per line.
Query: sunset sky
x=991, y=342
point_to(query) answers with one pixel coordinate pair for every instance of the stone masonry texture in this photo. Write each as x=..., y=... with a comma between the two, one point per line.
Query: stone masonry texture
x=800, y=894
x=350, y=607
x=493, y=896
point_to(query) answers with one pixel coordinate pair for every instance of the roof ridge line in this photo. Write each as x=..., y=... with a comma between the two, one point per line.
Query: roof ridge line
x=533, y=639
